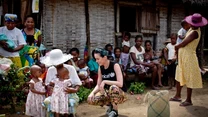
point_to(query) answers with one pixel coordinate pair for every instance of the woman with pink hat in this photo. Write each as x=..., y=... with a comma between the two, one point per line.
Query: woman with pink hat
x=188, y=71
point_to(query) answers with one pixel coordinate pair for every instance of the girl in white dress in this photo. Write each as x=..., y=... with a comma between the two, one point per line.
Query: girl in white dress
x=60, y=99
x=36, y=94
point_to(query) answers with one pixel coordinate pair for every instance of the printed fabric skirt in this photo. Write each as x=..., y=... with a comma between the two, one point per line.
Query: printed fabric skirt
x=113, y=95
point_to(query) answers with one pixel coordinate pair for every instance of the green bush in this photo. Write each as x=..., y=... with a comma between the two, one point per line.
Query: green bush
x=137, y=87
x=11, y=85
x=83, y=93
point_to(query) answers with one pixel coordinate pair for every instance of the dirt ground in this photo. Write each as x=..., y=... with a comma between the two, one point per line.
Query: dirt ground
x=137, y=108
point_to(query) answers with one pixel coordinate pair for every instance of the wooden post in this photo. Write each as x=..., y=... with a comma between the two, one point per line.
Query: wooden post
x=87, y=26
x=169, y=19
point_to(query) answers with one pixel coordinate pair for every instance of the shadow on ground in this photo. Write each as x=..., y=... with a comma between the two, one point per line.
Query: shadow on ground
x=197, y=111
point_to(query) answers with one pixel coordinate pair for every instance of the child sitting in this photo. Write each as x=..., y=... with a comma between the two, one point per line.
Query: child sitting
x=36, y=94
x=61, y=102
x=84, y=74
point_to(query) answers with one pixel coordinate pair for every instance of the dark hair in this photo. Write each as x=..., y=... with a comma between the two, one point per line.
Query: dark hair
x=183, y=22
x=173, y=34
x=147, y=41
x=108, y=45
x=74, y=49
x=29, y=16
x=102, y=52
x=93, y=52
x=116, y=48
x=138, y=36
x=81, y=62
x=127, y=34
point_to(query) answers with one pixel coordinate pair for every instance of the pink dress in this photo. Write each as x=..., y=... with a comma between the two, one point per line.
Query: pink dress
x=60, y=99
x=34, y=101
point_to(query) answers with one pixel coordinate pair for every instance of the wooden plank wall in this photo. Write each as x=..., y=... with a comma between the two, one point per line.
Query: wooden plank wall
x=63, y=24
x=101, y=15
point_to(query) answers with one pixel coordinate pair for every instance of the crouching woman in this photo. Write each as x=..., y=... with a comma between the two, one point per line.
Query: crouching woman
x=108, y=90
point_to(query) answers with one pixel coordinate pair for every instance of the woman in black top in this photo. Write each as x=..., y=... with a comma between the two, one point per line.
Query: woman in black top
x=110, y=81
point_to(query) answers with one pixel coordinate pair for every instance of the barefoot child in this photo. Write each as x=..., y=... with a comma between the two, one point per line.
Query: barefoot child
x=36, y=94
x=60, y=99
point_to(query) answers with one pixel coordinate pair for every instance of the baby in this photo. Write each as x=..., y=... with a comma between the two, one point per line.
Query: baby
x=84, y=74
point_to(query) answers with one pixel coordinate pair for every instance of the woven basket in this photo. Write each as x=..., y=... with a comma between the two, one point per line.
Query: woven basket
x=158, y=104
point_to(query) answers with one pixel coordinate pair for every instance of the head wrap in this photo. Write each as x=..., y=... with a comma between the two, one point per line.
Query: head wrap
x=10, y=17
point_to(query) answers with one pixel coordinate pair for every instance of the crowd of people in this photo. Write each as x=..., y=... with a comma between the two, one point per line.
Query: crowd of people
x=57, y=77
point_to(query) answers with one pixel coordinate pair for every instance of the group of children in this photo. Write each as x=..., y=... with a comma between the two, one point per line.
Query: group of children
x=60, y=101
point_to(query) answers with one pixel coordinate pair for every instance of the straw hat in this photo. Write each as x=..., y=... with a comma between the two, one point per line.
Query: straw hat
x=56, y=57
x=196, y=20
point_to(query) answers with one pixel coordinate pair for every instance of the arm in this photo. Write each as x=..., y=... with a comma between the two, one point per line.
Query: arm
x=96, y=89
x=189, y=38
x=119, y=78
x=166, y=55
x=99, y=80
x=32, y=89
x=72, y=90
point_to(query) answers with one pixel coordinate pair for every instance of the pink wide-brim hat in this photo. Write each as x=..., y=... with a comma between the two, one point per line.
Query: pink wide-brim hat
x=196, y=20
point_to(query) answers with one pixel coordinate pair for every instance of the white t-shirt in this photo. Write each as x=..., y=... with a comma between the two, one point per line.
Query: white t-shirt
x=51, y=75
x=171, y=51
x=15, y=35
x=125, y=43
x=139, y=55
x=181, y=32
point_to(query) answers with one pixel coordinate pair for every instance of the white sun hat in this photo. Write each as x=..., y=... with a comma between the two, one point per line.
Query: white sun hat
x=56, y=57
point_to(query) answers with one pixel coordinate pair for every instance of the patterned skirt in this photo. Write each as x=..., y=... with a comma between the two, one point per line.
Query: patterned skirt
x=113, y=95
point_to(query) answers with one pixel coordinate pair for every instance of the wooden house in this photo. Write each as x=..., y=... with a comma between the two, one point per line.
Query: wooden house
x=77, y=23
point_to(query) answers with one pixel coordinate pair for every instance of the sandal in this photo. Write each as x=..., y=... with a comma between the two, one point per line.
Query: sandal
x=185, y=103
x=175, y=99
x=113, y=113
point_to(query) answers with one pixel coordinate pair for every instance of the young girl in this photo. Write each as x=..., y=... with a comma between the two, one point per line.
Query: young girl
x=75, y=53
x=84, y=74
x=59, y=98
x=36, y=94
x=125, y=49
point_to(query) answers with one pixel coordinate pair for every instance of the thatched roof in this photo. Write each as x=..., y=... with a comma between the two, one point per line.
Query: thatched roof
x=200, y=2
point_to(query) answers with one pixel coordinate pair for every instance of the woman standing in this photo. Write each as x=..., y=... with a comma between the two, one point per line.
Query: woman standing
x=33, y=37
x=110, y=81
x=188, y=71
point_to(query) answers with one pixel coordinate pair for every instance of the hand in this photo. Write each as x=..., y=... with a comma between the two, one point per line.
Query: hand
x=168, y=63
x=90, y=98
x=69, y=90
x=3, y=43
x=8, y=49
x=150, y=65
